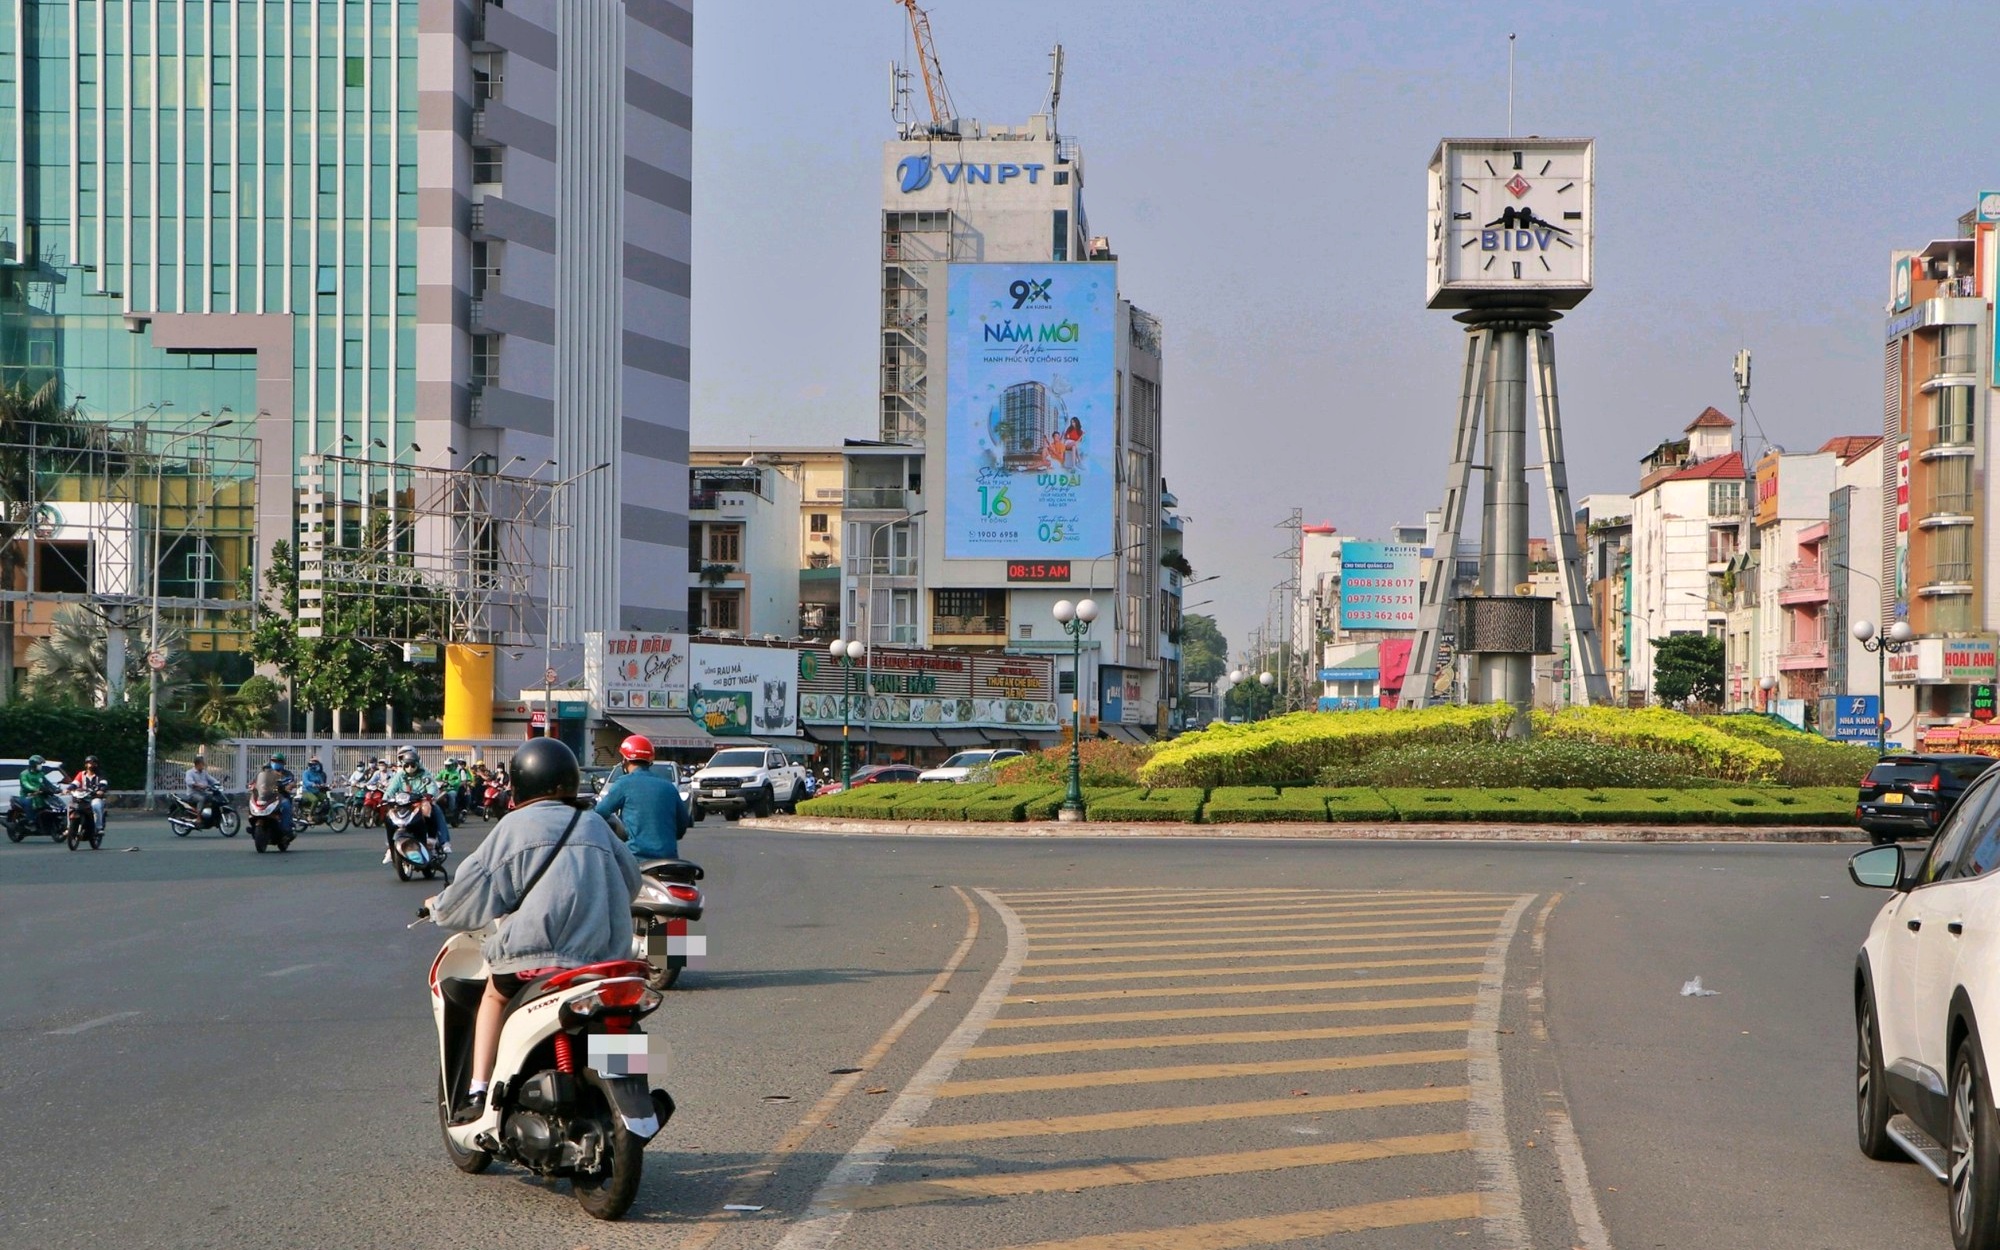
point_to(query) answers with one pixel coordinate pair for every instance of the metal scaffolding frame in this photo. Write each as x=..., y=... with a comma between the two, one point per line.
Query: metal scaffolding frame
x=477, y=539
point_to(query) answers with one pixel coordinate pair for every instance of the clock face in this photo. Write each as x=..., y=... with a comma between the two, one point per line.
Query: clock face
x=1511, y=220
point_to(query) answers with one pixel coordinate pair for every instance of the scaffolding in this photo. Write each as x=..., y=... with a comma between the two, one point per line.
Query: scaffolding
x=455, y=552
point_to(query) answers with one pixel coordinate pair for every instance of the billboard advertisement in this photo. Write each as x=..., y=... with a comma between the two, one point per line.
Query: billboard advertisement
x=744, y=692
x=1379, y=585
x=1031, y=438
x=638, y=672
x=929, y=688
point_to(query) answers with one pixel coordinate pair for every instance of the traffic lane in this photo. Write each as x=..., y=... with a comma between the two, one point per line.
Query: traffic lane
x=1729, y=1120
x=274, y=1085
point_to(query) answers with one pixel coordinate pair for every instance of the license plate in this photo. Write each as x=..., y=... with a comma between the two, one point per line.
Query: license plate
x=717, y=794
x=1892, y=798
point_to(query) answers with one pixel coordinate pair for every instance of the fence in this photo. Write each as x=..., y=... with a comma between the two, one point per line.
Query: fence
x=238, y=758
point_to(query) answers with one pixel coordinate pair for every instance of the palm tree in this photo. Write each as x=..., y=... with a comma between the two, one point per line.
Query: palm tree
x=69, y=666
x=32, y=421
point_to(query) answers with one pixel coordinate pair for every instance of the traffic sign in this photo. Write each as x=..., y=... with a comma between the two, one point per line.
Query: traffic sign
x=539, y=720
x=156, y=660
x=549, y=676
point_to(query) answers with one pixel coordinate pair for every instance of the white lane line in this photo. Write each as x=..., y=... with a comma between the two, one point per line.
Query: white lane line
x=1486, y=1111
x=91, y=1024
x=285, y=972
x=823, y=1221
x=1591, y=1233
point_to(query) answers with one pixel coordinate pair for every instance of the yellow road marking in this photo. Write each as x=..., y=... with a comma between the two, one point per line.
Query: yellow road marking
x=1056, y=1180
x=1453, y=915
x=1254, y=1037
x=1267, y=1230
x=1261, y=968
x=1300, y=934
x=1070, y=961
x=1110, y=1121
x=1209, y=1013
x=1193, y=1072
x=1205, y=991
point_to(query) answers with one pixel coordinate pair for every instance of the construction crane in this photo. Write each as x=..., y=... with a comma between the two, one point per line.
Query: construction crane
x=944, y=115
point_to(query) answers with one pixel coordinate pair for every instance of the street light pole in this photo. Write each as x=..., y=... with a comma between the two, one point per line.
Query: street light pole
x=846, y=653
x=153, y=627
x=1898, y=638
x=1075, y=620
x=1265, y=679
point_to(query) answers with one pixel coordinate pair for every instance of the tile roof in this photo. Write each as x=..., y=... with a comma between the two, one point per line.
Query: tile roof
x=1851, y=447
x=1730, y=465
x=1709, y=419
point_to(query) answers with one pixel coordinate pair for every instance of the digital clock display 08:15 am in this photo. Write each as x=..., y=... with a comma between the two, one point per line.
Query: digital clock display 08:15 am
x=1038, y=570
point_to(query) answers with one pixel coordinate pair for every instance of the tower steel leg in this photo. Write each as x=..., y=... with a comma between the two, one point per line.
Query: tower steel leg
x=1503, y=557
x=1586, y=655
x=1417, y=690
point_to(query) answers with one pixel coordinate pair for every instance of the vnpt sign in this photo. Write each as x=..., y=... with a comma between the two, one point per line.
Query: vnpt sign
x=914, y=173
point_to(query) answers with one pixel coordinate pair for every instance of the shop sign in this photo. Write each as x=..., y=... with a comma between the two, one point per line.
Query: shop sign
x=1968, y=660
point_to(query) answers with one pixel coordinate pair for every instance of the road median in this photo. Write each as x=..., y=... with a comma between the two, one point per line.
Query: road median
x=1390, y=831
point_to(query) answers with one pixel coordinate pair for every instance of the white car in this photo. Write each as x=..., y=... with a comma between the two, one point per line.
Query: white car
x=10, y=777
x=1926, y=986
x=967, y=764
x=757, y=780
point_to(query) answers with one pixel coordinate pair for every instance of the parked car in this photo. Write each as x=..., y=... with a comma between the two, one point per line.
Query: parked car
x=969, y=765
x=10, y=777
x=597, y=778
x=875, y=774
x=1908, y=795
x=758, y=780
x=1926, y=989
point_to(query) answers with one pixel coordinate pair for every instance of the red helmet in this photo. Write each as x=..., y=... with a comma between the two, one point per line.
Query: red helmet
x=636, y=748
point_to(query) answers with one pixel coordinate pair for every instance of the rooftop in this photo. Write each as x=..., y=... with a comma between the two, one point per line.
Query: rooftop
x=1710, y=419
x=1730, y=465
x=1851, y=447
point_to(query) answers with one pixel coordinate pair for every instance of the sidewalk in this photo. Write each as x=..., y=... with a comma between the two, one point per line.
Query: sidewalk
x=1465, y=831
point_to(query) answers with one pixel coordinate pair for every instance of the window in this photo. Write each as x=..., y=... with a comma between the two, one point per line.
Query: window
x=1951, y=416
x=357, y=71
x=722, y=611
x=1060, y=248
x=817, y=523
x=485, y=360
x=1951, y=553
x=485, y=164
x=1725, y=498
x=485, y=267
x=1958, y=829
x=725, y=544
x=1062, y=177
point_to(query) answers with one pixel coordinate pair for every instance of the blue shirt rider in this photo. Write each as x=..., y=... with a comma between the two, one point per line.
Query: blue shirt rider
x=651, y=805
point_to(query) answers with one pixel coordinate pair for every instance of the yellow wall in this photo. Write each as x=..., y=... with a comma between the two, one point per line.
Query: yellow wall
x=468, y=691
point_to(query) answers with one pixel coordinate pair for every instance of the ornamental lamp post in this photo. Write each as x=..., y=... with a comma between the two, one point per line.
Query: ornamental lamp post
x=848, y=654
x=1767, y=684
x=1899, y=637
x=1075, y=618
x=1266, y=680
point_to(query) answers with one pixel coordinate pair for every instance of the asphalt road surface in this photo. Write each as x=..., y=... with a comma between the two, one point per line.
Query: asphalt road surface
x=1062, y=1044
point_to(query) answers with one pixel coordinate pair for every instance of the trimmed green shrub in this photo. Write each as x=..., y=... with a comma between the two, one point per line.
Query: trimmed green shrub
x=1255, y=804
x=1501, y=805
x=1350, y=804
x=68, y=732
x=1541, y=763
x=1666, y=733
x=1103, y=763
x=1809, y=760
x=1182, y=805
x=1007, y=803
x=1045, y=808
x=862, y=802
x=1294, y=748
x=938, y=801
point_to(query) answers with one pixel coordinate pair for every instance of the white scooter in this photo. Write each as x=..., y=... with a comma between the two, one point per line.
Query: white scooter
x=572, y=1090
x=413, y=849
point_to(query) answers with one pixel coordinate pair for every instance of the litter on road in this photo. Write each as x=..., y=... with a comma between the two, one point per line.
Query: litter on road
x=1693, y=989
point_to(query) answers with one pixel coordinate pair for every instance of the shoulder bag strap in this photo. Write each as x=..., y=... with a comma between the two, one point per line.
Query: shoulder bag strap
x=551, y=858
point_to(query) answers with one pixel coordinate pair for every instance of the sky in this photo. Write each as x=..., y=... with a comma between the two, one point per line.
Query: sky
x=1260, y=171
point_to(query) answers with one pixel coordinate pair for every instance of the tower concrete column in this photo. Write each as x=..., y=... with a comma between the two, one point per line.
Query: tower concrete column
x=1503, y=556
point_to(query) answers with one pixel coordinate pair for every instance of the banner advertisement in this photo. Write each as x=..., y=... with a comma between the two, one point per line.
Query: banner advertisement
x=1968, y=661
x=1379, y=585
x=637, y=672
x=929, y=688
x=1902, y=527
x=744, y=691
x=1031, y=385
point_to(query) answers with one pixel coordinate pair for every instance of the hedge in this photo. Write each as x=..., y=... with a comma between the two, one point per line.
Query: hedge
x=1808, y=759
x=1352, y=804
x=941, y=801
x=1176, y=804
x=68, y=732
x=1046, y=807
x=1238, y=805
x=1666, y=732
x=862, y=802
x=1543, y=763
x=1007, y=803
x=1296, y=747
x=1503, y=805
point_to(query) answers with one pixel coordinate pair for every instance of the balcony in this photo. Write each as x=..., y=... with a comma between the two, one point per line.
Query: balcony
x=876, y=499
x=1805, y=582
x=884, y=566
x=892, y=636
x=964, y=626
x=1802, y=653
x=1956, y=364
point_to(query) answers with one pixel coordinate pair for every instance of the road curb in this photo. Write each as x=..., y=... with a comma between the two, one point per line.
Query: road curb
x=1412, y=832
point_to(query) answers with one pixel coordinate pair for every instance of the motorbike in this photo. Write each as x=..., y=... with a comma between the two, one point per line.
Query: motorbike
x=212, y=810
x=80, y=823
x=22, y=823
x=414, y=850
x=571, y=1095
x=491, y=801
x=319, y=807
x=267, y=824
x=668, y=899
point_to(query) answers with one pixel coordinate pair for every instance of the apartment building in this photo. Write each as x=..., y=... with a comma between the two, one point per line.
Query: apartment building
x=820, y=474
x=743, y=552
x=1685, y=539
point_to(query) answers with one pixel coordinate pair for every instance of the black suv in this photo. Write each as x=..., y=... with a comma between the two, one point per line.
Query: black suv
x=1908, y=796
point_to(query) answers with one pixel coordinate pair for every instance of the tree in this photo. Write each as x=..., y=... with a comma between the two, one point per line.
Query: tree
x=1687, y=668
x=70, y=665
x=1204, y=651
x=237, y=713
x=376, y=602
x=32, y=420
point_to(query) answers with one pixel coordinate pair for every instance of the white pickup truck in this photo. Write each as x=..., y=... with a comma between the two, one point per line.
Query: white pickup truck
x=757, y=780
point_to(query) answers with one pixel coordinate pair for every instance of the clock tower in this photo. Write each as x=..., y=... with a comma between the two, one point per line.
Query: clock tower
x=1509, y=245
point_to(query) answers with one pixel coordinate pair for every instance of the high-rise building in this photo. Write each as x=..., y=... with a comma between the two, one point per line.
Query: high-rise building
x=406, y=234
x=982, y=196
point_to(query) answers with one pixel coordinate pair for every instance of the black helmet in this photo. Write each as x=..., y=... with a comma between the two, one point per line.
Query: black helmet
x=544, y=768
x=90, y=760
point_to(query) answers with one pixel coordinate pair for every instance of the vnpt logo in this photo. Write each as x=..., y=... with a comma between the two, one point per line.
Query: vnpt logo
x=1026, y=291
x=914, y=172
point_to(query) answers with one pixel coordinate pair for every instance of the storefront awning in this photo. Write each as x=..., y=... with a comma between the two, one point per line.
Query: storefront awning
x=669, y=733
x=1034, y=738
x=1126, y=734
x=890, y=737
x=957, y=738
x=790, y=746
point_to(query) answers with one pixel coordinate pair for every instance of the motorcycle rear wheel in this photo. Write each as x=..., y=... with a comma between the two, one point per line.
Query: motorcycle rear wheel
x=229, y=822
x=472, y=1162
x=15, y=832
x=97, y=840
x=608, y=1195
x=181, y=828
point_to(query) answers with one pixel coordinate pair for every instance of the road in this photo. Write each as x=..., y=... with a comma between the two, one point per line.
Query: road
x=1367, y=1045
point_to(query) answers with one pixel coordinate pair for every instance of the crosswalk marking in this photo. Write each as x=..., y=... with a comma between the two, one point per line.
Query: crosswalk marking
x=1068, y=901
x=1210, y=991
x=1161, y=912
x=1195, y=1072
x=1334, y=966
x=1218, y=938
x=1207, y=901
x=1208, y=1013
x=1256, y=1037
x=1269, y=1230
x=1187, y=1167
x=1074, y=961
x=1206, y=1113
x=1452, y=915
